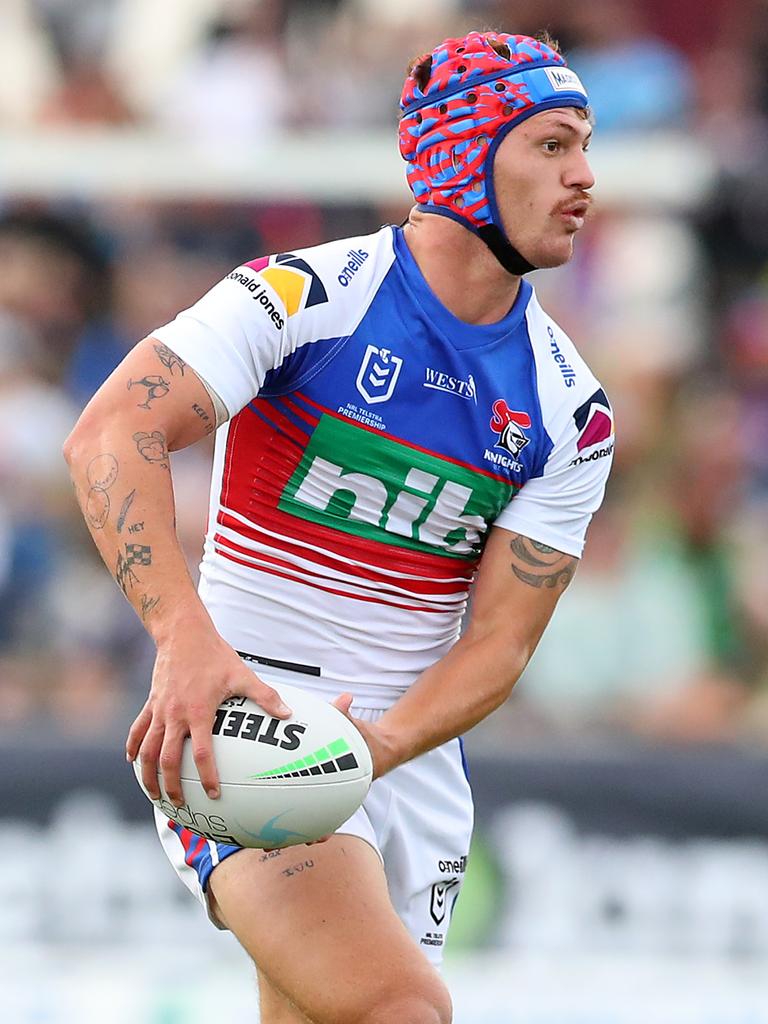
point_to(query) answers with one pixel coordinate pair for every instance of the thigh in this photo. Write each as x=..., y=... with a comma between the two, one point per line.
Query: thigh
x=424, y=834
x=318, y=923
x=274, y=1007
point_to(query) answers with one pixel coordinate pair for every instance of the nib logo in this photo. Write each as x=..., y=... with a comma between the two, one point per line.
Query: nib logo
x=594, y=420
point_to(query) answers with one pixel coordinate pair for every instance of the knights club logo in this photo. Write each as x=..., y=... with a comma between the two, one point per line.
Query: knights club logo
x=594, y=420
x=508, y=425
x=293, y=279
x=378, y=374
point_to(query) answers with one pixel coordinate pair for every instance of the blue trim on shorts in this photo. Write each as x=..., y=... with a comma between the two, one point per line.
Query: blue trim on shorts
x=197, y=852
x=464, y=762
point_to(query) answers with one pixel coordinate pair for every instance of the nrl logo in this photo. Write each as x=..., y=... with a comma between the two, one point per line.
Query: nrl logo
x=438, y=903
x=507, y=425
x=378, y=374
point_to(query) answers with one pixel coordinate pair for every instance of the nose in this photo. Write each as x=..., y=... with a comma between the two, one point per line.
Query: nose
x=578, y=174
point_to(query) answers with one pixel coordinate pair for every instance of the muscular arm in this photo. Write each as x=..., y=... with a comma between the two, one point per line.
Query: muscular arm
x=519, y=583
x=118, y=456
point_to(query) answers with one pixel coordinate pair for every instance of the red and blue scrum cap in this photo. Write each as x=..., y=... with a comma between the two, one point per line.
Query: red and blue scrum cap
x=452, y=124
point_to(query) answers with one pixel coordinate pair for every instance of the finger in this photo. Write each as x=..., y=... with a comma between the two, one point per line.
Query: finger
x=170, y=763
x=322, y=839
x=137, y=732
x=343, y=703
x=267, y=698
x=202, y=751
x=148, y=754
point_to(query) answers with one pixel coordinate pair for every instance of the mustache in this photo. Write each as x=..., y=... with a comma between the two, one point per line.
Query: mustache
x=583, y=199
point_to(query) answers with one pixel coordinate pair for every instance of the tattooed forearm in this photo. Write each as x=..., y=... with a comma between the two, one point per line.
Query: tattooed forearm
x=209, y=424
x=124, y=510
x=539, y=565
x=152, y=447
x=169, y=359
x=157, y=387
x=133, y=554
x=147, y=604
x=101, y=473
x=124, y=574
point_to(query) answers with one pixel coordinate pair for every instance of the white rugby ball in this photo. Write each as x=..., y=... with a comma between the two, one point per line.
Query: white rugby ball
x=283, y=781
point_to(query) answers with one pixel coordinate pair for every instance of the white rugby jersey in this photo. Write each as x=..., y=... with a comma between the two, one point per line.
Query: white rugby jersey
x=373, y=439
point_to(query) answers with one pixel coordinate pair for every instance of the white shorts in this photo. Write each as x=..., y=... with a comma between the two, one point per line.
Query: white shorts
x=419, y=820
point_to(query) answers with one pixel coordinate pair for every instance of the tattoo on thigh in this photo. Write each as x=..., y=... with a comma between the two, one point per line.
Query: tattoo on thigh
x=539, y=565
x=269, y=854
x=297, y=869
x=102, y=472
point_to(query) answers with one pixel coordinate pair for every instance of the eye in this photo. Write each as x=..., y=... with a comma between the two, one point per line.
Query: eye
x=552, y=145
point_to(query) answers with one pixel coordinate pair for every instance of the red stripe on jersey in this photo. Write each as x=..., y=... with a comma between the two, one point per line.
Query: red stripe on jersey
x=410, y=444
x=375, y=554
x=434, y=585
x=386, y=584
x=331, y=590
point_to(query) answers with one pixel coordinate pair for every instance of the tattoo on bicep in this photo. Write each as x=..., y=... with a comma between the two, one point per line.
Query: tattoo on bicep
x=157, y=387
x=209, y=424
x=539, y=565
x=101, y=474
x=124, y=510
x=169, y=359
x=147, y=604
x=152, y=447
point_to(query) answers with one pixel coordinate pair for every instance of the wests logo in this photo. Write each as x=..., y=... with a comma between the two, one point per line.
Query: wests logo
x=594, y=420
x=507, y=425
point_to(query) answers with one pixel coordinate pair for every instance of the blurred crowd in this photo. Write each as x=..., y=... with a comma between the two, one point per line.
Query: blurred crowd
x=664, y=632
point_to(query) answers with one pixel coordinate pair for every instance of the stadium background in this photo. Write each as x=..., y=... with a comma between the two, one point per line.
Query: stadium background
x=620, y=871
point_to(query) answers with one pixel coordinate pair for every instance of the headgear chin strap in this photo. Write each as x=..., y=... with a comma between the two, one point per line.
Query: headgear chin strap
x=508, y=256
x=451, y=128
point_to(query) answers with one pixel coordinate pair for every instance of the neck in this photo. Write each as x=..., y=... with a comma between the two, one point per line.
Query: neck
x=460, y=269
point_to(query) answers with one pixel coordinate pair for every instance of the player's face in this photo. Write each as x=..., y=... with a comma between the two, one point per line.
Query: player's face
x=541, y=176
